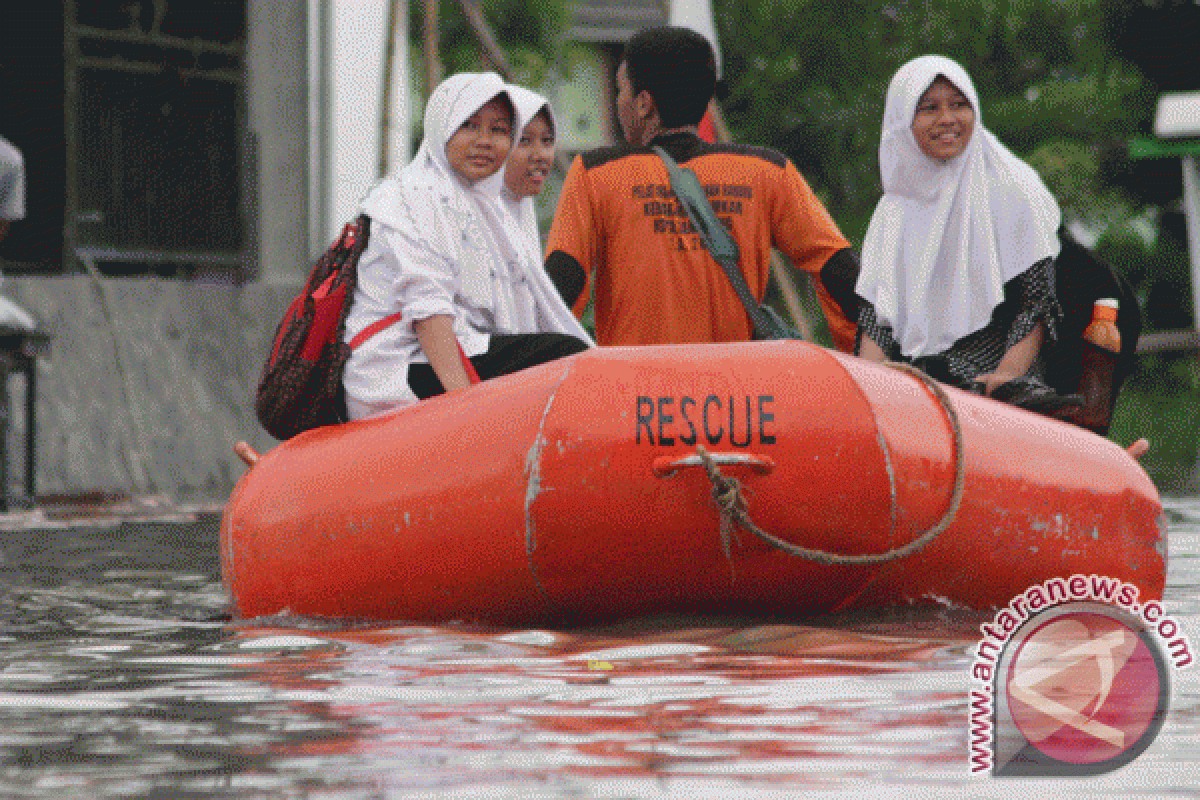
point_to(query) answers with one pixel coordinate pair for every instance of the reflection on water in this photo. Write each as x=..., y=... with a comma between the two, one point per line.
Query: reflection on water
x=121, y=677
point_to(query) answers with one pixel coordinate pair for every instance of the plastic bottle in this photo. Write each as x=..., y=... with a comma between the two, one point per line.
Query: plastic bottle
x=1098, y=366
x=1102, y=330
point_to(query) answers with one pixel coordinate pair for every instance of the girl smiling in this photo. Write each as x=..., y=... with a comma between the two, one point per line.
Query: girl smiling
x=958, y=261
x=441, y=293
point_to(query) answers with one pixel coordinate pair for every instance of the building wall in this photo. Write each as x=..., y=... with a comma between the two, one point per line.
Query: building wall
x=147, y=384
x=277, y=117
x=149, y=381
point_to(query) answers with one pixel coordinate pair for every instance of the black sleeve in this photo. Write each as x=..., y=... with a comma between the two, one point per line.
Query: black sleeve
x=568, y=276
x=840, y=274
x=869, y=327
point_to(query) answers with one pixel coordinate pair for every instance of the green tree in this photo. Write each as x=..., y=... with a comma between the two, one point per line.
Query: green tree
x=531, y=35
x=810, y=79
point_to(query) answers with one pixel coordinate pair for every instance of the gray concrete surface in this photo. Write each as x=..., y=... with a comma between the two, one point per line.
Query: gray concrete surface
x=147, y=383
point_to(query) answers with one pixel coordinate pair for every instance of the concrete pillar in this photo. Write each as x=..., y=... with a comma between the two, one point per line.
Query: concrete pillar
x=321, y=115
x=347, y=51
x=398, y=124
x=1191, y=208
x=277, y=116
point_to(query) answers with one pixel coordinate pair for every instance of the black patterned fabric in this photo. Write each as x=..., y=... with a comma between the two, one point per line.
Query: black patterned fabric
x=1029, y=298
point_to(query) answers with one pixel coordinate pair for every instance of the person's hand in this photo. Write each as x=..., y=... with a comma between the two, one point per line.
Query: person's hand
x=869, y=350
x=994, y=380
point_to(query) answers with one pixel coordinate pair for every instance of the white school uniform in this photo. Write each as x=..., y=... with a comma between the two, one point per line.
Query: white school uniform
x=438, y=246
x=947, y=235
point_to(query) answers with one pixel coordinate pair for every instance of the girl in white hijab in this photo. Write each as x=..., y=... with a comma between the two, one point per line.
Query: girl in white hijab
x=958, y=261
x=438, y=295
x=529, y=164
x=530, y=160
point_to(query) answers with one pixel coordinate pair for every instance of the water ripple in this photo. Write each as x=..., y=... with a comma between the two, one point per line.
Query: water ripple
x=121, y=677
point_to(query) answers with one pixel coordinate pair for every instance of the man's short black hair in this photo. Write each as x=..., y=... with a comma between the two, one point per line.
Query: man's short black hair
x=677, y=67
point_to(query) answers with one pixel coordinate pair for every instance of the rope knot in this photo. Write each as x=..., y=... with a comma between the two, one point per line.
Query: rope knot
x=727, y=496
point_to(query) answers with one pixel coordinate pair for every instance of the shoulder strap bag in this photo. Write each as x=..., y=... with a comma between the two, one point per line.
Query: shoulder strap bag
x=724, y=250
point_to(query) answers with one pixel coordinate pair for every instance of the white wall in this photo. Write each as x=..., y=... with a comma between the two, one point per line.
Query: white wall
x=347, y=52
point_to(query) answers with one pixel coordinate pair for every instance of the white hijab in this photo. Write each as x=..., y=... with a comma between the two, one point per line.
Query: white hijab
x=429, y=199
x=527, y=104
x=520, y=228
x=947, y=235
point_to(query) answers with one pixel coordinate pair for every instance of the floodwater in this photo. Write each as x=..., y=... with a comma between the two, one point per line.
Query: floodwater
x=122, y=676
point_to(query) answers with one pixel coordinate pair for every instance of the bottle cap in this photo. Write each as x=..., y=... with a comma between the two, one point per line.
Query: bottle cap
x=1105, y=310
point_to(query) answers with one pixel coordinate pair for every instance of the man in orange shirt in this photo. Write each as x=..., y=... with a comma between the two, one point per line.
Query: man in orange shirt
x=620, y=230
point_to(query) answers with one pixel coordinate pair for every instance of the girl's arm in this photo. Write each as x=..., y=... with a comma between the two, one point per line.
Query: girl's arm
x=424, y=289
x=436, y=335
x=1037, y=301
x=1017, y=361
x=869, y=350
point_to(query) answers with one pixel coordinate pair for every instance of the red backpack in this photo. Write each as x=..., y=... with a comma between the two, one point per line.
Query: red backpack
x=301, y=383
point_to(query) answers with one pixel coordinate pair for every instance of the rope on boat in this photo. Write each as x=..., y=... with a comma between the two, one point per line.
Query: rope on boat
x=727, y=494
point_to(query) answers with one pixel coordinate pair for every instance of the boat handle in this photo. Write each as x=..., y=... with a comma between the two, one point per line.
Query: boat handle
x=665, y=466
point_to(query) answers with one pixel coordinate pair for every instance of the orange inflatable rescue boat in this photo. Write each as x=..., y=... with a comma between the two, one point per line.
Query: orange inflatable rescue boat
x=763, y=478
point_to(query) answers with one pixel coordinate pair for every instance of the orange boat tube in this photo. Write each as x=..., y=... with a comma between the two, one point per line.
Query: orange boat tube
x=770, y=478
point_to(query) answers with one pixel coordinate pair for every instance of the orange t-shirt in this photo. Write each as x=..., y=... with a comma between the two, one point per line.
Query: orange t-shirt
x=654, y=281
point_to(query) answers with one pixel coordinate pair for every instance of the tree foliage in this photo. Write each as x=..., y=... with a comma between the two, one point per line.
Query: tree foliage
x=531, y=34
x=811, y=79
x=1064, y=83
